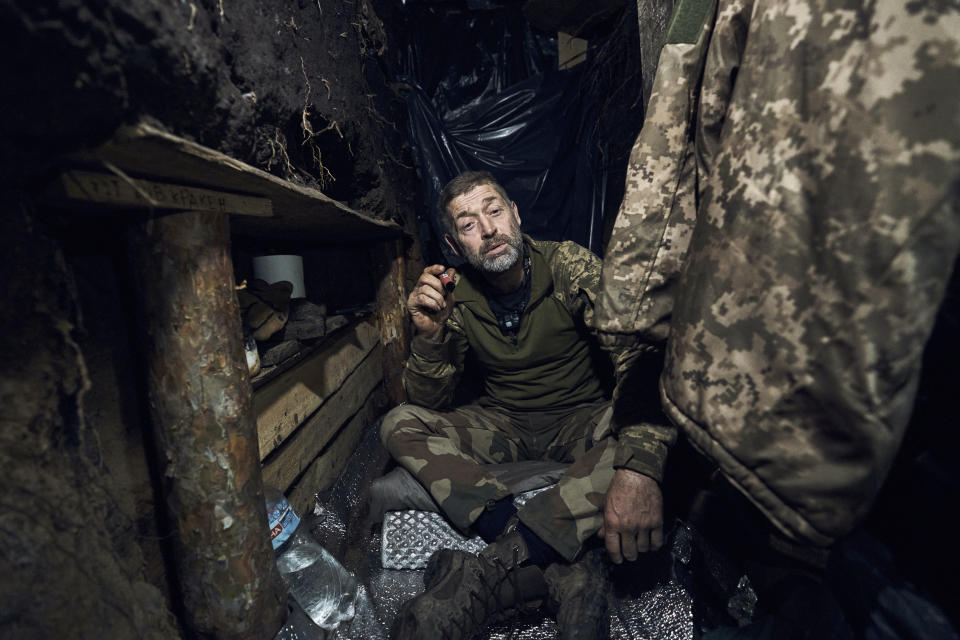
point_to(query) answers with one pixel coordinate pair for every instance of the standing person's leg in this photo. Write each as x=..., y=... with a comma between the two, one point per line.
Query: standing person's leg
x=445, y=451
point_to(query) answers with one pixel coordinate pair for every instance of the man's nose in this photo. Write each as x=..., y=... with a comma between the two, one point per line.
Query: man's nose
x=487, y=228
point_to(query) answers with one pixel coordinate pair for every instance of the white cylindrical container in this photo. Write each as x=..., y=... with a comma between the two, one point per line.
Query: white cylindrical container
x=281, y=267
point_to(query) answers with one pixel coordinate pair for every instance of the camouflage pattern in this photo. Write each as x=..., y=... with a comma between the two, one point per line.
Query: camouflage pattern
x=446, y=451
x=564, y=288
x=652, y=229
x=827, y=224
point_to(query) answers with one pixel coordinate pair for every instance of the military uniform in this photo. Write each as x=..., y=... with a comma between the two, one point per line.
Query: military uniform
x=790, y=223
x=541, y=398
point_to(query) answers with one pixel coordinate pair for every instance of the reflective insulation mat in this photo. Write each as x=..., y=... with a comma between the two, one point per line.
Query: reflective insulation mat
x=661, y=610
x=410, y=537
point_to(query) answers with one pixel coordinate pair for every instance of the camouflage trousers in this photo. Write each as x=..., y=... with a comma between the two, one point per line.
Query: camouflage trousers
x=446, y=451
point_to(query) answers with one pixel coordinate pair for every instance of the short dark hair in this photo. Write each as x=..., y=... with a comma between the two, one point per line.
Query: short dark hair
x=459, y=186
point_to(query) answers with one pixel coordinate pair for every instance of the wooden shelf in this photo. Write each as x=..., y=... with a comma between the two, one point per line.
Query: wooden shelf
x=307, y=348
x=282, y=404
x=300, y=214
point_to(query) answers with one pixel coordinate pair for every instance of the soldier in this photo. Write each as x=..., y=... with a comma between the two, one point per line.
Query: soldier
x=519, y=311
x=791, y=220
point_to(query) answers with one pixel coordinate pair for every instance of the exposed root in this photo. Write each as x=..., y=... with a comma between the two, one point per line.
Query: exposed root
x=220, y=4
x=395, y=161
x=325, y=176
x=379, y=118
x=279, y=143
x=324, y=82
x=333, y=125
x=308, y=132
x=296, y=29
x=193, y=16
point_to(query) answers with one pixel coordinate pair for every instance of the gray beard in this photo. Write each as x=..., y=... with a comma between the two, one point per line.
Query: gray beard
x=501, y=262
x=498, y=263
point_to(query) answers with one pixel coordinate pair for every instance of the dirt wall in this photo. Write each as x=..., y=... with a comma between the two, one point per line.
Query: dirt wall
x=67, y=568
x=295, y=88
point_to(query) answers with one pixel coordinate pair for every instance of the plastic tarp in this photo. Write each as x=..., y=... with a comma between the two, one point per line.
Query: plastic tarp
x=484, y=94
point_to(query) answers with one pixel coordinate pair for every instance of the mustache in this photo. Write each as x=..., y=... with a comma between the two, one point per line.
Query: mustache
x=495, y=241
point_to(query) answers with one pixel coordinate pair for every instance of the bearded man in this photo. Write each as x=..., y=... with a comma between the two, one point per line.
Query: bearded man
x=521, y=312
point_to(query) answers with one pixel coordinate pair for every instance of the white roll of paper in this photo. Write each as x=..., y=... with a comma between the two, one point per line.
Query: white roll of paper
x=281, y=267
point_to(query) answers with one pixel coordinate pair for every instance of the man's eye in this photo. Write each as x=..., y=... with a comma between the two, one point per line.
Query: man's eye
x=466, y=227
x=495, y=212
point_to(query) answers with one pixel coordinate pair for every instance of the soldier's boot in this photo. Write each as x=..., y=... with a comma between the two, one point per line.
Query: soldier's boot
x=466, y=592
x=578, y=597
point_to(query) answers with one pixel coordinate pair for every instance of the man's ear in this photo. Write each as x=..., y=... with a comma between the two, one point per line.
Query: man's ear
x=452, y=244
x=516, y=212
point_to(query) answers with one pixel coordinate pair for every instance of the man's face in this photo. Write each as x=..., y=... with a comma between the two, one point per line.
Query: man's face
x=487, y=229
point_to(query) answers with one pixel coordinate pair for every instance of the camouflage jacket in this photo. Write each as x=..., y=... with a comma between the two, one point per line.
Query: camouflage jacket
x=550, y=365
x=791, y=221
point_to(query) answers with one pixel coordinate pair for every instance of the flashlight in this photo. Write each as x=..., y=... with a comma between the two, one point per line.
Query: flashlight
x=447, y=281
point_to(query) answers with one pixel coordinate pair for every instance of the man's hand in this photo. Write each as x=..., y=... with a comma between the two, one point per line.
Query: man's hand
x=429, y=303
x=632, y=516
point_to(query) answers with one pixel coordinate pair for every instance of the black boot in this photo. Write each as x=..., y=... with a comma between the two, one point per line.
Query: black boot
x=465, y=592
x=578, y=597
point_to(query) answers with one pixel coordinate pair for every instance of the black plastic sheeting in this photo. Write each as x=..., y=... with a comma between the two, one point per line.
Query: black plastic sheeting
x=484, y=94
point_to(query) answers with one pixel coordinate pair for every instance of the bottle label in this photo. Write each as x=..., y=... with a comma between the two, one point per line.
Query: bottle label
x=283, y=522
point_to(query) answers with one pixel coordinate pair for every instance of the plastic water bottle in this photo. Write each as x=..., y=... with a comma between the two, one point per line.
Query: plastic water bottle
x=321, y=585
x=298, y=626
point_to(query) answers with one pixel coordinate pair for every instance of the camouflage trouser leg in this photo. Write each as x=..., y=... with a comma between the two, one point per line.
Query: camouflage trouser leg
x=445, y=451
x=570, y=513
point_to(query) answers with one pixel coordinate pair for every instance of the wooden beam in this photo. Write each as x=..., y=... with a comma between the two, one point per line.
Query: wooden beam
x=301, y=214
x=87, y=187
x=199, y=393
x=289, y=460
x=284, y=403
x=327, y=468
x=392, y=316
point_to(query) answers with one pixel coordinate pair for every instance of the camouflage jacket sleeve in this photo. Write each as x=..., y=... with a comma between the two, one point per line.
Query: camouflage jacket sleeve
x=644, y=433
x=434, y=369
x=668, y=162
x=653, y=228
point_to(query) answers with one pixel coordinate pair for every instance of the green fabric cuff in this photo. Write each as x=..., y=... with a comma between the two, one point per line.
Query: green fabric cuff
x=646, y=457
x=430, y=350
x=610, y=340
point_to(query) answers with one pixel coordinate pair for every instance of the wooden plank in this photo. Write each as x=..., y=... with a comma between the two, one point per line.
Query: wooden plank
x=290, y=459
x=571, y=50
x=327, y=468
x=285, y=402
x=301, y=214
x=87, y=187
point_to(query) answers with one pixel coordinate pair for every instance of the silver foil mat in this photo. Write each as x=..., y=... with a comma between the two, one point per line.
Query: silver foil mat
x=409, y=538
x=663, y=612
